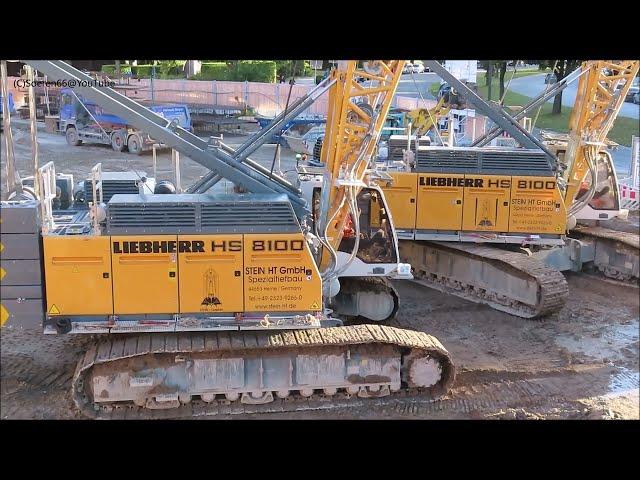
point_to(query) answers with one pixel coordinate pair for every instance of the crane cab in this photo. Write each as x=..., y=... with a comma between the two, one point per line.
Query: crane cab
x=377, y=253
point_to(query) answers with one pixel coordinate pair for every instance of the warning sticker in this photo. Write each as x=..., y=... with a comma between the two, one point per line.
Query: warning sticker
x=54, y=310
x=4, y=315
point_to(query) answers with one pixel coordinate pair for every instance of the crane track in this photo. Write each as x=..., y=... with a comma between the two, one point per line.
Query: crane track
x=418, y=345
x=626, y=238
x=491, y=396
x=617, y=252
x=485, y=392
x=552, y=287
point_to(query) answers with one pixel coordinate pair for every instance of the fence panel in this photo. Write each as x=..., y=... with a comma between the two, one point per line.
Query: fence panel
x=268, y=99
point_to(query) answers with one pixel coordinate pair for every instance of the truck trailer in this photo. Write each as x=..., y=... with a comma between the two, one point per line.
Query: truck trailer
x=82, y=120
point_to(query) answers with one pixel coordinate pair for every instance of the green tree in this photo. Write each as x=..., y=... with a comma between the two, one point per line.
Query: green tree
x=495, y=68
x=288, y=68
x=502, y=71
x=561, y=68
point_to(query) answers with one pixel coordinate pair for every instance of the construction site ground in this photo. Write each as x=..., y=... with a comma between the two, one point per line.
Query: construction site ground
x=581, y=363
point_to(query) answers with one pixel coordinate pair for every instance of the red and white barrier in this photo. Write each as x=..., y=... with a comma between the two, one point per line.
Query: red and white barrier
x=629, y=197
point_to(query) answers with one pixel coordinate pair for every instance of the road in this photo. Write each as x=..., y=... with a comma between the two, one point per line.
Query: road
x=412, y=85
x=409, y=86
x=533, y=85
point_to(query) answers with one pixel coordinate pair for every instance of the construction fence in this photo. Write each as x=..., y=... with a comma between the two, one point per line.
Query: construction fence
x=266, y=99
x=630, y=182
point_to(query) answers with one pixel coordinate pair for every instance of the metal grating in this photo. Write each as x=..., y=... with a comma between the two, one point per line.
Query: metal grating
x=488, y=161
x=446, y=160
x=317, y=149
x=398, y=143
x=268, y=214
x=114, y=183
x=531, y=161
x=189, y=213
x=152, y=215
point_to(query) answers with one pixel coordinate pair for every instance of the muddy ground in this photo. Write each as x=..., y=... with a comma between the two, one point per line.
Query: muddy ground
x=581, y=363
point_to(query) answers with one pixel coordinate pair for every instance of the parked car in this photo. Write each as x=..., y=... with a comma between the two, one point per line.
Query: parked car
x=550, y=78
x=418, y=68
x=408, y=68
x=636, y=98
x=303, y=143
x=631, y=93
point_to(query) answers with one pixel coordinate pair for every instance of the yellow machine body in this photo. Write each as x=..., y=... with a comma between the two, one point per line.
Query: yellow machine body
x=439, y=202
x=78, y=275
x=180, y=274
x=476, y=203
x=144, y=281
x=401, y=198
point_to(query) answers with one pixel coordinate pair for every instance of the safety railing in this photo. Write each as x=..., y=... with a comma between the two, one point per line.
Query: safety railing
x=46, y=178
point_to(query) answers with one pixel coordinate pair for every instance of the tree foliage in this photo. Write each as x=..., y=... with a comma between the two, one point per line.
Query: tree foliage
x=288, y=68
x=495, y=68
x=561, y=68
x=234, y=70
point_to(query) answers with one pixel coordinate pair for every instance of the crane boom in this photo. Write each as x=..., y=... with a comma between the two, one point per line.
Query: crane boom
x=601, y=93
x=358, y=106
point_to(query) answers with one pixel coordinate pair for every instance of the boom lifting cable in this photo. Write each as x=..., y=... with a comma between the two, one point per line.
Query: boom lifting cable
x=435, y=125
x=504, y=94
x=548, y=86
x=286, y=108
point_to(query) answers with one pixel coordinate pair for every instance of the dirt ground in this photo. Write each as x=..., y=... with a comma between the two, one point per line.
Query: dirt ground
x=581, y=363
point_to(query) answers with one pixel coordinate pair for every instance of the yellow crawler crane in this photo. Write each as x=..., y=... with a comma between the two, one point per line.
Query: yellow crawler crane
x=496, y=225
x=592, y=188
x=601, y=93
x=359, y=249
x=211, y=303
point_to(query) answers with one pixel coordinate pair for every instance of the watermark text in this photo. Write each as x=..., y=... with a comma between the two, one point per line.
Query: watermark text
x=26, y=83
